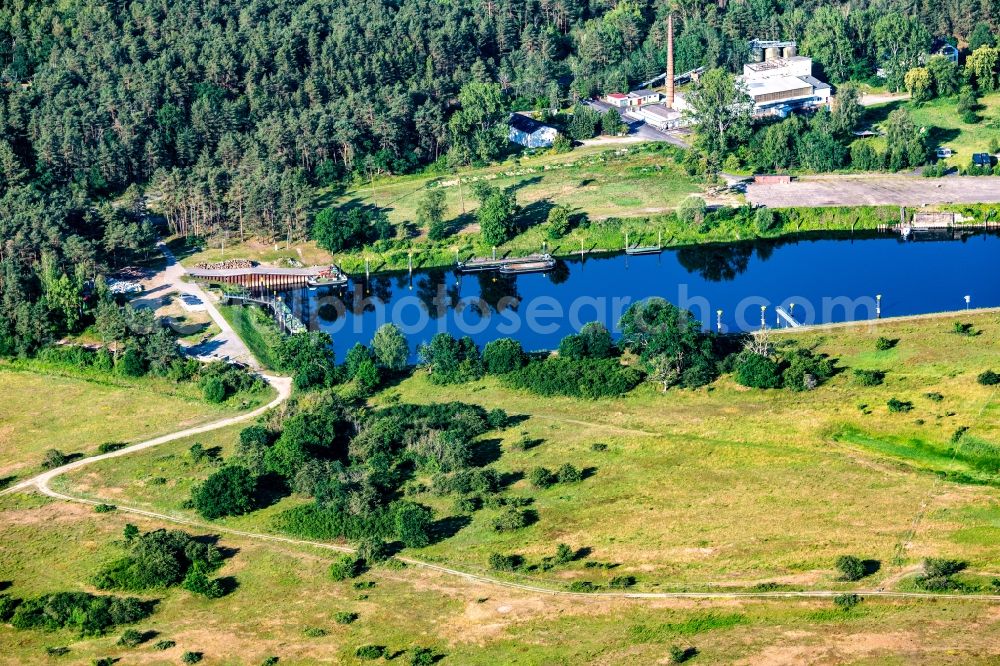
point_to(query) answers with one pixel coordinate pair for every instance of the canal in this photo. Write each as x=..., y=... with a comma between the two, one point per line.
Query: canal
x=814, y=279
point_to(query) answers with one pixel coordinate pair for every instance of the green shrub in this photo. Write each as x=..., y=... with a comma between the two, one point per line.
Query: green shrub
x=868, y=377
x=60, y=651
x=104, y=508
x=938, y=575
x=228, y=492
x=936, y=397
x=130, y=639
x=198, y=582
x=270, y=661
x=413, y=524
x=564, y=554
x=165, y=644
x=846, y=601
x=497, y=419
x=345, y=567
x=54, y=458
x=679, y=655
x=344, y=617
x=897, y=406
x=757, y=371
x=314, y=632
x=131, y=363
x=621, y=582
x=191, y=657
x=598, y=446
x=851, y=568
x=500, y=562
x=502, y=356
x=541, y=477
x=422, y=656
x=372, y=550
x=582, y=586
x=108, y=447
x=511, y=519
x=960, y=328
x=884, y=344
x=370, y=652
x=988, y=378
x=569, y=474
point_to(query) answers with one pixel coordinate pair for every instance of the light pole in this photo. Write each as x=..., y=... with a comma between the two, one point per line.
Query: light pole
x=878, y=306
x=718, y=320
x=967, y=299
x=763, y=324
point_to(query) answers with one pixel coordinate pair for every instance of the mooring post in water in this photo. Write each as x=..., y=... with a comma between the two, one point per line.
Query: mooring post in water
x=626, y=240
x=581, y=248
x=409, y=262
x=367, y=269
x=659, y=239
x=494, y=253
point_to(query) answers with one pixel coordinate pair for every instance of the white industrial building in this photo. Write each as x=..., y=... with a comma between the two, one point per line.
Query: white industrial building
x=530, y=133
x=662, y=116
x=780, y=84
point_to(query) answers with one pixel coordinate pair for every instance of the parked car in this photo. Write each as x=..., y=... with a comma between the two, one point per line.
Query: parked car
x=943, y=152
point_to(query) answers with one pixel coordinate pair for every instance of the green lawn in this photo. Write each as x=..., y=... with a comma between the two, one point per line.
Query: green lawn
x=46, y=407
x=945, y=126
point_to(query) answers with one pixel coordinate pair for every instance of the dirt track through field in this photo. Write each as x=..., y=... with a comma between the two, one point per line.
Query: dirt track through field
x=875, y=190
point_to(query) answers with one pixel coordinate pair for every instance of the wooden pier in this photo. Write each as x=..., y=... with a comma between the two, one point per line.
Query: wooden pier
x=262, y=277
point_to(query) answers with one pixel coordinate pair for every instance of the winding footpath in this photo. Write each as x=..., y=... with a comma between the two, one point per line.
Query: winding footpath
x=41, y=483
x=283, y=386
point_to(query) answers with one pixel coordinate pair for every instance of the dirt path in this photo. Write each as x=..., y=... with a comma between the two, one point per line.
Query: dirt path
x=283, y=385
x=42, y=481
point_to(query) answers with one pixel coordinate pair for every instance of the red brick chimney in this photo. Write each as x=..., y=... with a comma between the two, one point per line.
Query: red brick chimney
x=670, y=61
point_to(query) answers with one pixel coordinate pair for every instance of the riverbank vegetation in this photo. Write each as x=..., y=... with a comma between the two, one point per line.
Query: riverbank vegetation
x=755, y=441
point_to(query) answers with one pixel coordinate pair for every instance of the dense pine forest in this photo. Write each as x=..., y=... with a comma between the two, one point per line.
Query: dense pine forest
x=228, y=114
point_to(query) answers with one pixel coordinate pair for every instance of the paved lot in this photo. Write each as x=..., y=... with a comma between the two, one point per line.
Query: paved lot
x=817, y=191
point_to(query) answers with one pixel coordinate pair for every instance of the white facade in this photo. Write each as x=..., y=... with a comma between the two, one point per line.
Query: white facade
x=530, y=133
x=780, y=85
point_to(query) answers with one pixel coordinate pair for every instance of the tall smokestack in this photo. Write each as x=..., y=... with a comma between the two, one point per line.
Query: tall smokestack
x=670, y=61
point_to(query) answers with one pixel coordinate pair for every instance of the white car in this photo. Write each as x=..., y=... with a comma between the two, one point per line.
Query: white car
x=944, y=152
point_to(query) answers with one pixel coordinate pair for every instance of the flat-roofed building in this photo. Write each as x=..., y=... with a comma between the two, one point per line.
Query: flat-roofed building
x=781, y=85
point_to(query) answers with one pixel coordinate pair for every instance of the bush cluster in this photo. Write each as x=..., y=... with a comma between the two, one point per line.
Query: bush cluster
x=580, y=378
x=88, y=614
x=792, y=368
x=160, y=559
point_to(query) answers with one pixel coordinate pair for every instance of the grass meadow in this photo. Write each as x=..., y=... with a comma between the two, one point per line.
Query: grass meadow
x=721, y=488
x=718, y=488
x=53, y=407
x=284, y=604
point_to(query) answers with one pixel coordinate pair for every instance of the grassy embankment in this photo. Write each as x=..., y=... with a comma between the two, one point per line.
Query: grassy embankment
x=633, y=192
x=257, y=330
x=944, y=125
x=720, y=488
x=51, y=406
